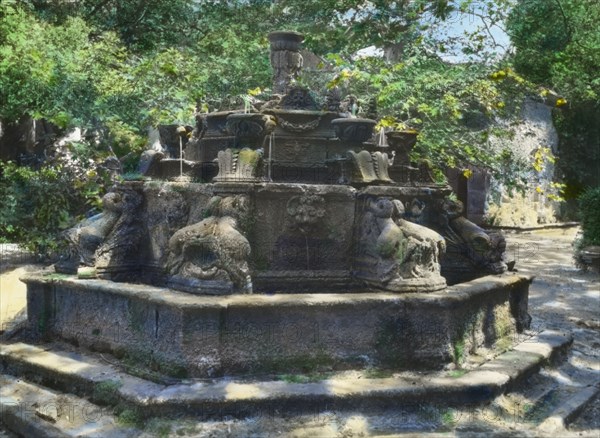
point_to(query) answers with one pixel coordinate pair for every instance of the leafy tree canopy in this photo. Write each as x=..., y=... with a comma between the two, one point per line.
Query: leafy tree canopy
x=121, y=66
x=557, y=45
x=118, y=67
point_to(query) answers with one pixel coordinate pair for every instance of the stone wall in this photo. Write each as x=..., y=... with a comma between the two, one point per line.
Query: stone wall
x=488, y=201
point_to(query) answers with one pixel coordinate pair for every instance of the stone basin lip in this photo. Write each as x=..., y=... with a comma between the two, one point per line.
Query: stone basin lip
x=283, y=111
x=453, y=294
x=342, y=120
x=224, y=113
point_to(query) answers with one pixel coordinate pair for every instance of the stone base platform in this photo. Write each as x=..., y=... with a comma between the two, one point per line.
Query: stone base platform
x=104, y=383
x=206, y=336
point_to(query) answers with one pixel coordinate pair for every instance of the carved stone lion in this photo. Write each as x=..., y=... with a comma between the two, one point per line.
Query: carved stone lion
x=305, y=212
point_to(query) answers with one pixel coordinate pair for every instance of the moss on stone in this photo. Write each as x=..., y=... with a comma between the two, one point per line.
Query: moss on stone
x=130, y=417
x=457, y=373
x=458, y=351
x=107, y=392
x=377, y=373
x=308, y=364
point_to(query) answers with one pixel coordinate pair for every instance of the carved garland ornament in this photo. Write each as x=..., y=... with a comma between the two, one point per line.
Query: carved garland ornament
x=298, y=127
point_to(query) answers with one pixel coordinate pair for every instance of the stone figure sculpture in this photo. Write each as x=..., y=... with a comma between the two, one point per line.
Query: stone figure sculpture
x=425, y=246
x=286, y=59
x=211, y=256
x=395, y=255
x=468, y=243
x=89, y=243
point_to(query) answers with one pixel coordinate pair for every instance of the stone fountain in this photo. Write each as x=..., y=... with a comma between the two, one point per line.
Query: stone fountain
x=309, y=241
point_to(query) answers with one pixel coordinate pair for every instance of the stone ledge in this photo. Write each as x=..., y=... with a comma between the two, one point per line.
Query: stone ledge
x=159, y=295
x=33, y=411
x=529, y=356
x=564, y=414
x=80, y=373
x=208, y=336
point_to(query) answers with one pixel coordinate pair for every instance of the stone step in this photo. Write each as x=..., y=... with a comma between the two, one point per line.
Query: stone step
x=568, y=410
x=549, y=400
x=34, y=411
x=86, y=376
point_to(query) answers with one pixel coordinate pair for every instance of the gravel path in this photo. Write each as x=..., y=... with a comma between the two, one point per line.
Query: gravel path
x=565, y=298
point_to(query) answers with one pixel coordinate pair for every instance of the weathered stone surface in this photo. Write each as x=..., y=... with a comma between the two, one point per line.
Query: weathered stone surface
x=33, y=411
x=388, y=256
x=82, y=374
x=246, y=334
x=471, y=251
x=301, y=236
x=286, y=59
x=212, y=255
x=109, y=240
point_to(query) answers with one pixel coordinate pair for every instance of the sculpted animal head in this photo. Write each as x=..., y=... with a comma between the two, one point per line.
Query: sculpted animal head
x=382, y=207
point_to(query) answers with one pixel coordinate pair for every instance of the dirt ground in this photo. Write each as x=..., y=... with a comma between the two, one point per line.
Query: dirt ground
x=561, y=297
x=564, y=297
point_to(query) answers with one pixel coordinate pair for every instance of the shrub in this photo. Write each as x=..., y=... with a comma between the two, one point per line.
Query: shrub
x=37, y=204
x=589, y=205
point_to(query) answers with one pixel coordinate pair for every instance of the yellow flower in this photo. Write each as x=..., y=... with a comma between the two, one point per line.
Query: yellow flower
x=560, y=102
x=539, y=189
x=467, y=173
x=255, y=91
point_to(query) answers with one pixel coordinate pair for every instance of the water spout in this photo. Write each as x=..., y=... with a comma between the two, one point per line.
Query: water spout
x=269, y=163
x=381, y=136
x=181, y=131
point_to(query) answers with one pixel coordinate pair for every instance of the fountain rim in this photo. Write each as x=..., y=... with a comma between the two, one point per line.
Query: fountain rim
x=342, y=120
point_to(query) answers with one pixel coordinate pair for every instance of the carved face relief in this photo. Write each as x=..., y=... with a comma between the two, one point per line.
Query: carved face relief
x=306, y=211
x=382, y=207
x=452, y=208
x=113, y=202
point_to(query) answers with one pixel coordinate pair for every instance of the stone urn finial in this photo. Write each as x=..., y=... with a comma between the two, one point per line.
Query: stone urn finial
x=353, y=131
x=286, y=59
x=402, y=143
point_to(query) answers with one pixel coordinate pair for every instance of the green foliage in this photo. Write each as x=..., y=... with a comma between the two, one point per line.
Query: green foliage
x=119, y=67
x=558, y=46
x=452, y=105
x=130, y=417
x=141, y=25
x=38, y=203
x=589, y=205
x=345, y=26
